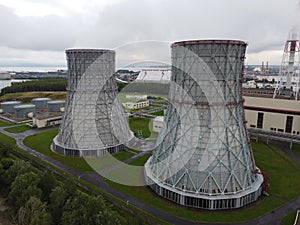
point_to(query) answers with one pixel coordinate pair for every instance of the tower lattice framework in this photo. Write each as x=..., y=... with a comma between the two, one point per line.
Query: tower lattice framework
x=203, y=156
x=93, y=122
x=289, y=75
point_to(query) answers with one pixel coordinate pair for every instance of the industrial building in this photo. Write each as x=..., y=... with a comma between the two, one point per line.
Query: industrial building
x=273, y=115
x=40, y=102
x=24, y=111
x=8, y=107
x=5, y=76
x=93, y=123
x=157, y=124
x=46, y=120
x=203, y=157
x=56, y=106
x=139, y=104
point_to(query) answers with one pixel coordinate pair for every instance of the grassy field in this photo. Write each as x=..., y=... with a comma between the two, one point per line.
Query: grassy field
x=141, y=124
x=17, y=129
x=28, y=96
x=289, y=219
x=7, y=140
x=4, y=123
x=159, y=113
x=296, y=150
x=285, y=185
x=41, y=142
x=141, y=160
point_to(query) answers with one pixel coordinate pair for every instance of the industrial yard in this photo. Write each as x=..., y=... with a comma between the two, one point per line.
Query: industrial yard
x=103, y=121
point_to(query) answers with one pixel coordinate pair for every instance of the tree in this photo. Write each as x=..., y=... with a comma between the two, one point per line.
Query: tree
x=59, y=197
x=24, y=187
x=4, y=153
x=33, y=213
x=7, y=162
x=47, y=184
x=17, y=168
x=89, y=210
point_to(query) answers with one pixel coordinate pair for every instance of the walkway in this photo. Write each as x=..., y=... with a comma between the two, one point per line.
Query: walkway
x=272, y=218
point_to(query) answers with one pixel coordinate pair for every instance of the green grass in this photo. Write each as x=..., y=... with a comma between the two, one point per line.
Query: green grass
x=296, y=150
x=134, y=149
x=158, y=113
x=285, y=185
x=17, y=129
x=4, y=123
x=7, y=140
x=121, y=156
x=41, y=142
x=289, y=219
x=140, y=161
x=142, y=124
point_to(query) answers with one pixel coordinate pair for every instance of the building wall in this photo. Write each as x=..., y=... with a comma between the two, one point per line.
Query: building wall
x=272, y=121
x=41, y=123
x=157, y=123
x=276, y=113
x=136, y=105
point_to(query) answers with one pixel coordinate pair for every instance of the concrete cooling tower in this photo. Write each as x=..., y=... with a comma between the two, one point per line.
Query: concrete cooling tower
x=203, y=156
x=93, y=123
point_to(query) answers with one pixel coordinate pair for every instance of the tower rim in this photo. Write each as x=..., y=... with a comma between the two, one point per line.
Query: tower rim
x=209, y=41
x=88, y=50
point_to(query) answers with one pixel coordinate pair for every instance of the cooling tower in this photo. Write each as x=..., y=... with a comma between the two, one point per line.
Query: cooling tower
x=93, y=123
x=203, y=156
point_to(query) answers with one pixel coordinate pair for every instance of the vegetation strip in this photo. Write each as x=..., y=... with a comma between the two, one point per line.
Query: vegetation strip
x=86, y=186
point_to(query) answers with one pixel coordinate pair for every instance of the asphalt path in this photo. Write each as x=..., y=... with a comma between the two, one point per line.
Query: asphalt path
x=271, y=218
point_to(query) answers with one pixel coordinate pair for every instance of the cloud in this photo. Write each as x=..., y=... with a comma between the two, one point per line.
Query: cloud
x=23, y=57
x=104, y=24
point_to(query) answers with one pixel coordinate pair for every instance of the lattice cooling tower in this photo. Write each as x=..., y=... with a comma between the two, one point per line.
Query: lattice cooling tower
x=203, y=156
x=93, y=122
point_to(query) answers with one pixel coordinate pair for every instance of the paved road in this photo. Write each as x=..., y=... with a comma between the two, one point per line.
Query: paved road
x=272, y=218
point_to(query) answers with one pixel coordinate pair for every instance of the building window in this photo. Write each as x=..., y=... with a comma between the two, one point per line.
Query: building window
x=280, y=130
x=289, y=124
x=260, y=120
x=251, y=125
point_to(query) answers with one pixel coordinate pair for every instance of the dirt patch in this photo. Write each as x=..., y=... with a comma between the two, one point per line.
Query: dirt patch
x=4, y=219
x=2, y=207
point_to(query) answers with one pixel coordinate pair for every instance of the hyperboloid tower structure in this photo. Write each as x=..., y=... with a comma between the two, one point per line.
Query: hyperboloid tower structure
x=289, y=74
x=203, y=156
x=93, y=123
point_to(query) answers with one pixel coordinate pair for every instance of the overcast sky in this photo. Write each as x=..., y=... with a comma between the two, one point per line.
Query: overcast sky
x=38, y=31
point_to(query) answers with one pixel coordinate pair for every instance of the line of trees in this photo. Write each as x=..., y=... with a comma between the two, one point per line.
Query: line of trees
x=37, y=197
x=47, y=84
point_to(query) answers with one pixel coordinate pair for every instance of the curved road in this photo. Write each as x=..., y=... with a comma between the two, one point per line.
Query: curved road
x=272, y=218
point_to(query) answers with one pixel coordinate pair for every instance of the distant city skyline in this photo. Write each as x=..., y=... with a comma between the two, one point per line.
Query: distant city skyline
x=38, y=32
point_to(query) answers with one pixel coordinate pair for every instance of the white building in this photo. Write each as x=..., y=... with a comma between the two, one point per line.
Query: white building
x=4, y=76
x=41, y=122
x=274, y=115
x=136, y=96
x=136, y=104
x=158, y=123
x=266, y=114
